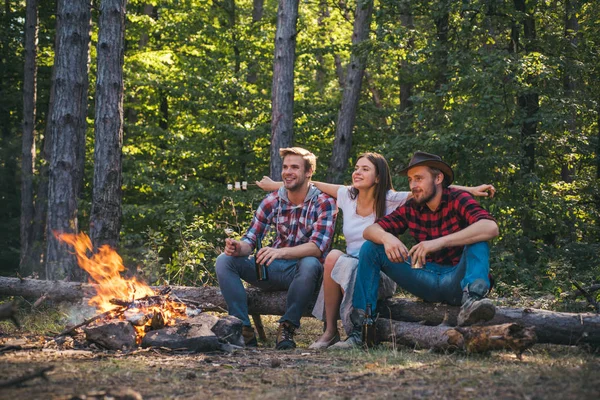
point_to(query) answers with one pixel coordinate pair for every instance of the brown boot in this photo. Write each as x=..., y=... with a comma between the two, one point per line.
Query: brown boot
x=249, y=336
x=285, y=336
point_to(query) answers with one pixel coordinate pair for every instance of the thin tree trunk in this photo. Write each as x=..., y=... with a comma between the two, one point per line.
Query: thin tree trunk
x=28, y=139
x=442, y=24
x=67, y=120
x=406, y=85
x=105, y=218
x=342, y=143
x=282, y=96
x=571, y=31
x=528, y=102
x=257, y=14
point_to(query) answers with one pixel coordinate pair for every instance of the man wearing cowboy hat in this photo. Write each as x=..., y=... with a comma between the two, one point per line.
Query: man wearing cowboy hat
x=449, y=263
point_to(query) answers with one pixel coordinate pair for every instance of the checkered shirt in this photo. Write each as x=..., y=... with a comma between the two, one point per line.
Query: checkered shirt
x=456, y=211
x=313, y=221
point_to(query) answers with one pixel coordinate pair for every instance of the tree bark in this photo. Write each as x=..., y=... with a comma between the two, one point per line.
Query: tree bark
x=28, y=138
x=475, y=339
x=257, y=14
x=342, y=143
x=67, y=120
x=528, y=102
x=282, y=96
x=571, y=32
x=406, y=85
x=105, y=218
x=550, y=327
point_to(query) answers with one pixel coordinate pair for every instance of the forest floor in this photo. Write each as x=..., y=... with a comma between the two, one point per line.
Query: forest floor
x=545, y=372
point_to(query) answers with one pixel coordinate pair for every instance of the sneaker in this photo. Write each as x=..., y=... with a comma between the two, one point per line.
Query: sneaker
x=353, y=341
x=249, y=336
x=285, y=336
x=475, y=309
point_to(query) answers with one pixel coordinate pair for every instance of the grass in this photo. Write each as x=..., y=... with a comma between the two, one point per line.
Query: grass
x=546, y=372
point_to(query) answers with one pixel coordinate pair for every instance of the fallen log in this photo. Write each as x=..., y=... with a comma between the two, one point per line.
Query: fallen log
x=550, y=327
x=474, y=339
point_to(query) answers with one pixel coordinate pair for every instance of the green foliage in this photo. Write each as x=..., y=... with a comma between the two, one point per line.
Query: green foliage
x=198, y=116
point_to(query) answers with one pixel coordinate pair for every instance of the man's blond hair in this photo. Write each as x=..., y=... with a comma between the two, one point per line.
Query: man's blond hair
x=310, y=160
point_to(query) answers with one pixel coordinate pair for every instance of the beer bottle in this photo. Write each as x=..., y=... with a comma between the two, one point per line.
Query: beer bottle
x=368, y=328
x=261, y=269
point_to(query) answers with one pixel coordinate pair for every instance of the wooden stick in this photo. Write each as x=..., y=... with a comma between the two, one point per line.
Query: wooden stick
x=41, y=373
x=89, y=321
x=588, y=296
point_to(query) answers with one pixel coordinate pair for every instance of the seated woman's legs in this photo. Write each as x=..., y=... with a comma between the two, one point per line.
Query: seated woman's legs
x=332, y=298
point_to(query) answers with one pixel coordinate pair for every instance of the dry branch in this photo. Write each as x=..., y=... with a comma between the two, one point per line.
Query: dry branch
x=550, y=327
x=88, y=321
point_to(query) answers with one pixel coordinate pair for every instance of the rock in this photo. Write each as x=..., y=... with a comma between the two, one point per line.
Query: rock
x=113, y=335
x=229, y=330
x=193, y=334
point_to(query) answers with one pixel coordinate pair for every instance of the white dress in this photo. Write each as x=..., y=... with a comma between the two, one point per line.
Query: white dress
x=344, y=271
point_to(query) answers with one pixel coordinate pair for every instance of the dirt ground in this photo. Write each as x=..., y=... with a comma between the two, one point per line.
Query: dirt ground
x=546, y=372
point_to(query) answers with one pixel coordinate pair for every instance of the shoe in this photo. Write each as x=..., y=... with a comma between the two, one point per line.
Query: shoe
x=285, y=336
x=353, y=341
x=475, y=307
x=249, y=336
x=318, y=345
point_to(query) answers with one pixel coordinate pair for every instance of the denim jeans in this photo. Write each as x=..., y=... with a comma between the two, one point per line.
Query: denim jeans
x=432, y=283
x=300, y=277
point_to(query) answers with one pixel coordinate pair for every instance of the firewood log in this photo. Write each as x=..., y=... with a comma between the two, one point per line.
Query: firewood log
x=550, y=327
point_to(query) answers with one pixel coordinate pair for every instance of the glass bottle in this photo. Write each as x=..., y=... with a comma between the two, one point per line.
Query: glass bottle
x=368, y=328
x=261, y=269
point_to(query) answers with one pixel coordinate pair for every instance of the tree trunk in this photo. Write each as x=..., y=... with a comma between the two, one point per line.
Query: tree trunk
x=475, y=339
x=550, y=327
x=257, y=14
x=571, y=32
x=28, y=139
x=342, y=143
x=282, y=96
x=105, y=218
x=528, y=102
x=406, y=85
x=67, y=120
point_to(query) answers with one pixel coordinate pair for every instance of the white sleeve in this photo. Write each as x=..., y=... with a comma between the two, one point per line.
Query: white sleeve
x=342, y=196
x=394, y=200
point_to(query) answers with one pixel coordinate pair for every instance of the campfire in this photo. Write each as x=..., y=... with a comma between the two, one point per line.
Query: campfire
x=120, y=298
x=128, y=310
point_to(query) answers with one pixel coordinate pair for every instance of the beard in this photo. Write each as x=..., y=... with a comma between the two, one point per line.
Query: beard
x=426, y=195
x=296, y=185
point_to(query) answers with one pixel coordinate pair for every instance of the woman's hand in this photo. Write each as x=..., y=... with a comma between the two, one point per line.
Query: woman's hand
x=485, y=190
x=268, y=184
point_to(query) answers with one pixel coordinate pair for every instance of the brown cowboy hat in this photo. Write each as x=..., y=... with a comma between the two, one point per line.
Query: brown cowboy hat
x=430, y=160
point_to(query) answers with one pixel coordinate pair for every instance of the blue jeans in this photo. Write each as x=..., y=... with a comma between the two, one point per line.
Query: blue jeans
x=299, y=277
x=432, y=283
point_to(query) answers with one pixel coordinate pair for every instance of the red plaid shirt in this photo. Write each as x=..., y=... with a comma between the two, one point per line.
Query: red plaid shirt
x=456, y=211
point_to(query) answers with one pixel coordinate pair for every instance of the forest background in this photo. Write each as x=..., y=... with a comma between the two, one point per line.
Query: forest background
x=508, y=92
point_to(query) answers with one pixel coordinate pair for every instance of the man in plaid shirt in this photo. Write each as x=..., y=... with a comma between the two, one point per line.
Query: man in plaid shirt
x=449, y=263
x=304, y=220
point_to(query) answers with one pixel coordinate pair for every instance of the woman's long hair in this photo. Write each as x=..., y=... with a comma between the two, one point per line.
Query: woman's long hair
x=383, y=184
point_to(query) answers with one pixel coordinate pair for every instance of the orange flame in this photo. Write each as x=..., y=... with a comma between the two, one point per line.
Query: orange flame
x=104, y=268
